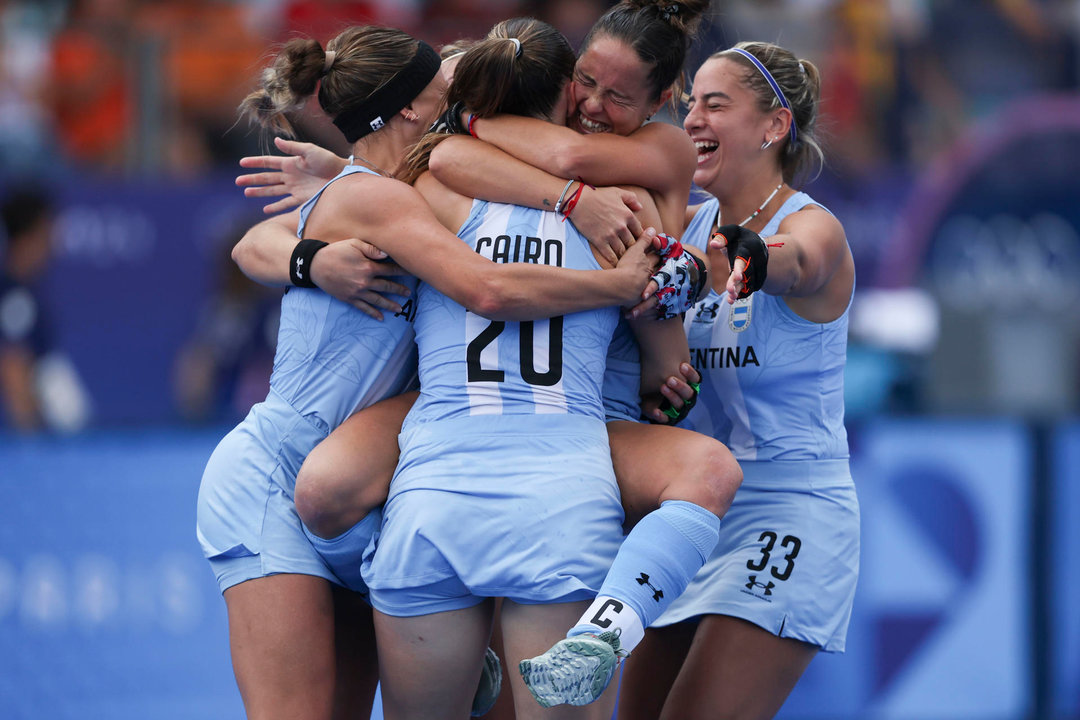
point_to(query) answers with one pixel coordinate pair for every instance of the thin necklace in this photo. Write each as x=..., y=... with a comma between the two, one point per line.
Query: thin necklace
x=373, y=166
x=756, y=212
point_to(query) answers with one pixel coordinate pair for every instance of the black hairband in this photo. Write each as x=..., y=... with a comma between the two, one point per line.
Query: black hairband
x=377, y=109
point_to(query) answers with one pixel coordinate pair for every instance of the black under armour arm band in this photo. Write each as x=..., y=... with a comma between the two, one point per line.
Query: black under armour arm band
x=300, y=264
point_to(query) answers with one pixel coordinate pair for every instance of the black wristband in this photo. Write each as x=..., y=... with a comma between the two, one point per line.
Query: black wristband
x=300, y=264
x=699, y=279
x=449, y=122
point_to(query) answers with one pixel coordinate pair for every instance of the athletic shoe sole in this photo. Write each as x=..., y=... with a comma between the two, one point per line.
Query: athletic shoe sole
x=575, y=671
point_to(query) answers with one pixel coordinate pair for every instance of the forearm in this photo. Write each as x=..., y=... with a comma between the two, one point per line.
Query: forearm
x=530, y=292
x=264, y=253
x=476, y=169
x=663, y=349
x=552, y=148
x=657, y=156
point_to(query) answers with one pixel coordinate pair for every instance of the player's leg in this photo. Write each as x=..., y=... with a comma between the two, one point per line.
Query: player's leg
x=281, y=632
x=348, y=473
x=655, y=463
x=650, y=672
x=527, y=631
x=503, y=709
x=735, y=670
x=357, y=660
x=684, y=481
x=430, y=664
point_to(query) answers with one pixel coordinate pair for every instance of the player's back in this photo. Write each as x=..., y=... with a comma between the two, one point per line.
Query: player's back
x=470, y=365
x=331, y=358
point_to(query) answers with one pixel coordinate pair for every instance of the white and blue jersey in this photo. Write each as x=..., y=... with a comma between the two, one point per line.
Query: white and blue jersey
x=475, y=366
x=773, y=385
x=622, y=377
x=772, y=391
x=505, y=485
x=331, y=360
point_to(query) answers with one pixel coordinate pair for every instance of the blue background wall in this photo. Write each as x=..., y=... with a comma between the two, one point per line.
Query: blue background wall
x=107, y=609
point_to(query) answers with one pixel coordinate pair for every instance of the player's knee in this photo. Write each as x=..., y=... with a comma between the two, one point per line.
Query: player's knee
x=709, y=478
x=330, y=503
x=314, y=504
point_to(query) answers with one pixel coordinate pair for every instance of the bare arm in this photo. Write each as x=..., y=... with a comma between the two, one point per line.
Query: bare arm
x=657, y=156
x=350, y=270
x=810, y=265
x=406, y=227
x=663, y=351
x=473, y=168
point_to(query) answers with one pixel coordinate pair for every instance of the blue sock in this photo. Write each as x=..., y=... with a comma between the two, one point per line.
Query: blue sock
x=344, y=553
x=654, y=565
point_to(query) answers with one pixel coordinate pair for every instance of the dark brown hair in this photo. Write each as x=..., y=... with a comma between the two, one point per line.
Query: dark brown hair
x=365, y=58
x=494, y=77
x=660, y=32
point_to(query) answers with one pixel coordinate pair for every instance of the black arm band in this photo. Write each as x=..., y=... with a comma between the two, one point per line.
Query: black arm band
x=300, y=265
x=699, y=277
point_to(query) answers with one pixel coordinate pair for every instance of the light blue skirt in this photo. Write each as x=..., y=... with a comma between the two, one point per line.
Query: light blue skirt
x=521, y=506
x=788, y=556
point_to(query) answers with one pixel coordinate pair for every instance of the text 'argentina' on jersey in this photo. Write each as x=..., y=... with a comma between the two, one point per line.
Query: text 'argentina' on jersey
x=526, y=249
x=723, y=357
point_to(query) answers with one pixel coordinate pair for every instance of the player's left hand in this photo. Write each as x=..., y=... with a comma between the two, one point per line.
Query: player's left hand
x=679, y=281
x=679, y=393
x=294, y=177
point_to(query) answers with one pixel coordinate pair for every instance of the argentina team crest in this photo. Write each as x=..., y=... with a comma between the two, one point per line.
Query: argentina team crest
x=740, y=314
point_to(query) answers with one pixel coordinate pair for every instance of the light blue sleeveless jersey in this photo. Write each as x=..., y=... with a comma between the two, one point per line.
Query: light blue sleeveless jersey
x=754, y=357
x=331, y=359
x=787, y=559
x=505, y=486
x=474, y=366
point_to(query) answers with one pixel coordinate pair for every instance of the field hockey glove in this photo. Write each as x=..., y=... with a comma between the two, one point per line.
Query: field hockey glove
x=748, y=245
x=681, y=279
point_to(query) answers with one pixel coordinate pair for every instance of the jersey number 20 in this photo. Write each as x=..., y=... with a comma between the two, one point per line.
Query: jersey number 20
x=478, y=373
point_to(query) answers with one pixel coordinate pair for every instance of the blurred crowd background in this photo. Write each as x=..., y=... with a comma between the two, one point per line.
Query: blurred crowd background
x=129, y=342
x=952, y=158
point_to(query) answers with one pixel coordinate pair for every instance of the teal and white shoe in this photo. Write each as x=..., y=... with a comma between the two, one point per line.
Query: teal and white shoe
x=490, y=685
x=575, y=671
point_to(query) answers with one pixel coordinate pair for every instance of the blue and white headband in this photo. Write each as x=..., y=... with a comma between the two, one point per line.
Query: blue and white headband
x=775, y=87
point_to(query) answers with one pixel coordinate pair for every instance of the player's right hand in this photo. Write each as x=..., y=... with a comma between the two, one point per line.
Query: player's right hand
x=605, y=215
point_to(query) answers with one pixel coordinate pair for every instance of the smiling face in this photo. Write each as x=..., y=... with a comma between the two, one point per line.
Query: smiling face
x=724, y=122
x=610, y=92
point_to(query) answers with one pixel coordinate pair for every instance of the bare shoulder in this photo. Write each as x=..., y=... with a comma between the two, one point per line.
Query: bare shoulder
x=372, y=197
x=670, y=136
x=674, y=144
x=816, y=220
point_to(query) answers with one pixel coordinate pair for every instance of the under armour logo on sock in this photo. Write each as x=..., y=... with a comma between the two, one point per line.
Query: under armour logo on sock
x=754, y=583
x=643, y=579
